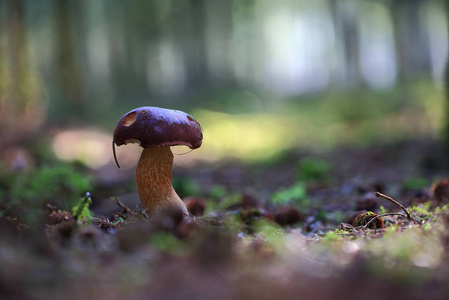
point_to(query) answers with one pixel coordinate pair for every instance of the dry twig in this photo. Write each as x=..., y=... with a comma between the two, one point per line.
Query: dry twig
x=395, y=203
x=126, y=208
x=384, y=215
x=407, y=214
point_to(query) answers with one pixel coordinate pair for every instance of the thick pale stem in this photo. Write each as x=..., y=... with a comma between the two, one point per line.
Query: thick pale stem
x=154, y=180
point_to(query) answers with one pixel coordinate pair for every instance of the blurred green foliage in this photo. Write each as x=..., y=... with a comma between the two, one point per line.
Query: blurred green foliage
x=382, y=210
x=296, y=195
x=271, y=232
x=218, y=198
x=423, y=211
x=233, y=223
x=229, y=200
x=60, y=184
x=167, y=242
x=312, y=169
x=184, y=186
x=332, y=236
x=414, y=183
x=217, y=192
x=5, y=182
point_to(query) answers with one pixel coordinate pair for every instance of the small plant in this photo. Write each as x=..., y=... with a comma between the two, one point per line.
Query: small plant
x=382, y=210
x=81, y=210
x=441, y=209
x=422, y=209
x=331, y=236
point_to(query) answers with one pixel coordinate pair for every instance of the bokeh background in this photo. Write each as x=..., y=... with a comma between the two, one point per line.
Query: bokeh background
x=262, y=77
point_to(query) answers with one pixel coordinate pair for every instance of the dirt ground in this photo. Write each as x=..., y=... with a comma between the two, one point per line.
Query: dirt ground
x=242, y=244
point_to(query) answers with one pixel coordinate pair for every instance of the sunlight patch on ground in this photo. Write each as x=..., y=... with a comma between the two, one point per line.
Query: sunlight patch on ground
x=258, y=137
x=255, y=137
x=251, y=137
x=93, y=148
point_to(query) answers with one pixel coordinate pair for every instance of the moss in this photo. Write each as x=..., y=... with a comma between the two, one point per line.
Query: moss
x=60, y=184
x=271, y=233
x=28, y=193
x=422, y=210
x=332, y=236
x=443, y=208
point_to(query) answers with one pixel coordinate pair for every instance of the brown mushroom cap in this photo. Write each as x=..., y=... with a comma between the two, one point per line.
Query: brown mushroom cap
x=156, y=127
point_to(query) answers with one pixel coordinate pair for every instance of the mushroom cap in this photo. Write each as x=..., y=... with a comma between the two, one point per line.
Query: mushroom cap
x=156, y=127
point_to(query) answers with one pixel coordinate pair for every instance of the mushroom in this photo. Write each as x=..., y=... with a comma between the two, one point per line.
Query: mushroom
x=156, y=129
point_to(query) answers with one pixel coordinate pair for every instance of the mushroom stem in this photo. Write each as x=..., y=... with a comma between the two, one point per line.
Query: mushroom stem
x=154, y=180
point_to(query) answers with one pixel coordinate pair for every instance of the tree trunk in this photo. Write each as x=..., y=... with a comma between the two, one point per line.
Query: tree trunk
x=21, y=94
x=67, y=67
x=412, y=52
x=446, y=81
x=346, y=24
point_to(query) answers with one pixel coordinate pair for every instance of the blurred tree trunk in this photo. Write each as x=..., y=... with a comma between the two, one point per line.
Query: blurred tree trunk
x=218, y=43
x=4, y=76
x=248, y=65
x=446, y=81
x=198, y=12
x=412, y=52
x=67, y=73
x=21, y=92
x=134, y=34
x=18, y=49
x=345, y=18
x=141, y=23
x=116, y=35
x=189, y=25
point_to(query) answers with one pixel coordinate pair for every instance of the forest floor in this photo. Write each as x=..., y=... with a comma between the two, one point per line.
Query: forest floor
x=282, y=230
